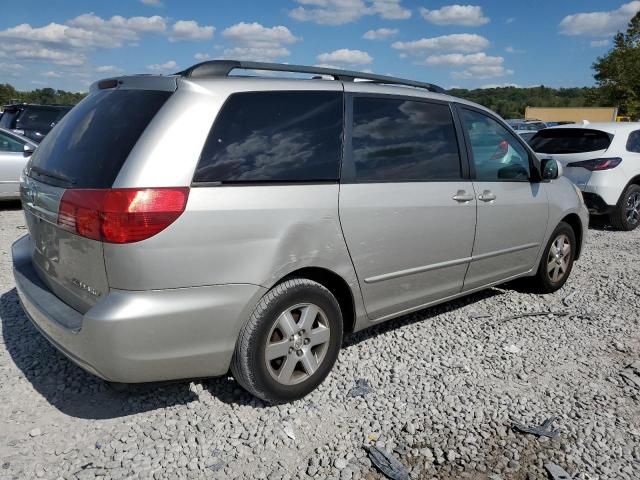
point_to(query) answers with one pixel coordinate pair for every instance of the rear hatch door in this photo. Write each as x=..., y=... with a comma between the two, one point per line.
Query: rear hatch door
x=86, y=150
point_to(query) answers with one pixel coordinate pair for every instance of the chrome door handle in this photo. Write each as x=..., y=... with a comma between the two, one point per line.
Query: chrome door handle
x=462, y=196
x=487, y=196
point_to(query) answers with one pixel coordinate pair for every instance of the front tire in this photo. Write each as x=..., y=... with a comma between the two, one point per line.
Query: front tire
x=557, y=260
x=626, y=216
x=290, y=343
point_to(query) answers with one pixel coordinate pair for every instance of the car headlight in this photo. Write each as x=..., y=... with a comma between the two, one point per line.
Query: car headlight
x=579, y=192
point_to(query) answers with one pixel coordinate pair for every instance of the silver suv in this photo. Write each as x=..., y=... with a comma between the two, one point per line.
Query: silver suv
x=185, y=225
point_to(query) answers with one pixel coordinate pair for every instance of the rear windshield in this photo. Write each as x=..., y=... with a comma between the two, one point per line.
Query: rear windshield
x=41, y=119
x=570, y=140
x=91, y=143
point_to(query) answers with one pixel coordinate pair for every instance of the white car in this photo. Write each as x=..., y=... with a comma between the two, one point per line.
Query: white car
x=603, y=160
x=15, y=151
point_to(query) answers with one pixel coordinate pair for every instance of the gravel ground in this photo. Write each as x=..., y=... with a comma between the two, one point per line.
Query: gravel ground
x=446, y=385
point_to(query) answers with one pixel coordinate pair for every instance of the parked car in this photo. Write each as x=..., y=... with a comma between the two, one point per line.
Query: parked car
x=603, y=160
x=526, y=125
x=526, y=135
x=15, y=151
x=284, y=214
x=30, y=120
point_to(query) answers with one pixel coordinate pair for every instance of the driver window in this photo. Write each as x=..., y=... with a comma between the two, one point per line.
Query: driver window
x=497, y=155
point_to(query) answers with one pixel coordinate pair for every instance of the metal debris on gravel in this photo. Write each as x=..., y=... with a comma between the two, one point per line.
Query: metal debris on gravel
x=555, y=472
x=360, y=389
x=386, y=463
x=543, y=430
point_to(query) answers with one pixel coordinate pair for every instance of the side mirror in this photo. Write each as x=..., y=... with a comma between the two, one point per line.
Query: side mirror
x=28, y=150
x=551, y=169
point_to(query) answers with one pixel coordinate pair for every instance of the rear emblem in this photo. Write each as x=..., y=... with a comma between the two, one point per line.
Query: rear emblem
x=85, y=287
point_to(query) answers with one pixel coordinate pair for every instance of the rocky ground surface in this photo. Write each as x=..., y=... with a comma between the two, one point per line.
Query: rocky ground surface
x=446, y=386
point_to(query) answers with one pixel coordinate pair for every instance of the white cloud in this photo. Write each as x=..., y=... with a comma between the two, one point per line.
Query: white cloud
x=600, y=43
x=159, y=67
x=467, y=15
x=482, y=72
x=380, y=34
x=344, y=56
x=457, y=59
x=602, y=23
x=152, y=3
x=510, y=20
x=52, y=74
x=339, y=12
x=511, y=49
x=202, y=56
x=69, y=43
x=253, y=41
x=190, y=30
x=107, y=69
x=457, y=42
x=13, y=69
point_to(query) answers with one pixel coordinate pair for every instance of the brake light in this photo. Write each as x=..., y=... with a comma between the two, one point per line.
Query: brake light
x=121, y=215
x=597, y=164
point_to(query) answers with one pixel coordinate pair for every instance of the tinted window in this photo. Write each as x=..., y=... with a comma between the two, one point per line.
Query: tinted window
x=570, y=140
x=91, y=143
x=7, y=120
x=633, y=142
x=402, y=140
x=41, y=119
x=497, y=155
x=10, y=144
x=274, y=137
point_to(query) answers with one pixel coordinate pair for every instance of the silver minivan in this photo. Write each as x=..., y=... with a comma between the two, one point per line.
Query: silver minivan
x=187, y=225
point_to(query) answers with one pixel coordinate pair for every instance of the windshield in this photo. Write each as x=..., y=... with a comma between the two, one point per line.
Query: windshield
x=570, y=140
x=91, y=143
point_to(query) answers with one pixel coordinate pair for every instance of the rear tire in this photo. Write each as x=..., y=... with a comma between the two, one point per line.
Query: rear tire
x=557, y=260
x=290, y=343
x=626, y=216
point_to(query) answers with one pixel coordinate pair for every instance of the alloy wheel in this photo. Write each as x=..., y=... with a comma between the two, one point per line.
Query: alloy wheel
x=297, y=343
x=633, y=208
x=559, y=258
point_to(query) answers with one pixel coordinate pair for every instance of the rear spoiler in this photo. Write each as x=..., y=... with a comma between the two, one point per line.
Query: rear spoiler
x=137, y=82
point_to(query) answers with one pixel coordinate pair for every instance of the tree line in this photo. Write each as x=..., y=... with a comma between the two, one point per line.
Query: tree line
x=48, y=96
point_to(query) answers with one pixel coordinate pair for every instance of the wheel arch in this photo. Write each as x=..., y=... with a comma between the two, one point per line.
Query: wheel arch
x=337, y=285
x=576, y=225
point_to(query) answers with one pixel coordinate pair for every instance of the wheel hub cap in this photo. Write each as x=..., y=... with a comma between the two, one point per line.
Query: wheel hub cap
x=297, y=343
x=559, y=257
x=633, y=208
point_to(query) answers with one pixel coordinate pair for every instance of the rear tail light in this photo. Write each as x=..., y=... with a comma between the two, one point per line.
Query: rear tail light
x=597, y=164
x=121, y=215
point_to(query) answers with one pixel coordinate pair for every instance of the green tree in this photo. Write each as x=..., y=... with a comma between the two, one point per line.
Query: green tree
x=617, y=73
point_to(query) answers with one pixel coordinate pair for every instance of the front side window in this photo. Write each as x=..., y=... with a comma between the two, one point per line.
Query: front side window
x=497, y=155
x=397, y=140
x=10, y=144
x=633, y=142
x=274, y=137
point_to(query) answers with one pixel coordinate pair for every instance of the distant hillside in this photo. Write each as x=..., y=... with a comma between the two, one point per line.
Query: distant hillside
x=510, y=102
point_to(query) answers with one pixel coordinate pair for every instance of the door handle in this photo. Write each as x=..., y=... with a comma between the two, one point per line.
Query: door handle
x=462, y=196
x=487, y=196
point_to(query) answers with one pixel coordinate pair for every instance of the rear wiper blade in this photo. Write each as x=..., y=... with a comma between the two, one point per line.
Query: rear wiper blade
x=56, y=176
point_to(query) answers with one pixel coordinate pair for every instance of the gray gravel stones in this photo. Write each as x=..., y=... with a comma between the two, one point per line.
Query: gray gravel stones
x=444, y=394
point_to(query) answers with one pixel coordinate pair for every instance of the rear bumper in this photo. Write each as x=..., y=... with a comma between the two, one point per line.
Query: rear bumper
x=596, y=204
x=140, y=336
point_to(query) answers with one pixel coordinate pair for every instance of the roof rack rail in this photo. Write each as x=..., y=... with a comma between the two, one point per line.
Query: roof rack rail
x=222, y=68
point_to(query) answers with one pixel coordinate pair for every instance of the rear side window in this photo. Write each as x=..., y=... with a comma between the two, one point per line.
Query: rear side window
x=10, y=144
x=633, y=142
x=91, y=143
x=34, y=118
x=274, y=137
x=570, y=140
x=398, y=140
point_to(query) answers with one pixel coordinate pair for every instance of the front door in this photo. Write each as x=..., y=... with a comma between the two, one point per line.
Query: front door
x=407, y=211
x=512, y=204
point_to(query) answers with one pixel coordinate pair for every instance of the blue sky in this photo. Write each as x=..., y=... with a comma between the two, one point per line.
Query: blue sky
x=69, y=43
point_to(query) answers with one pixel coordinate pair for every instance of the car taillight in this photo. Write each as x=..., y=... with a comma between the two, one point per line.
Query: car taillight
x=121, y=215
x=597, y=164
